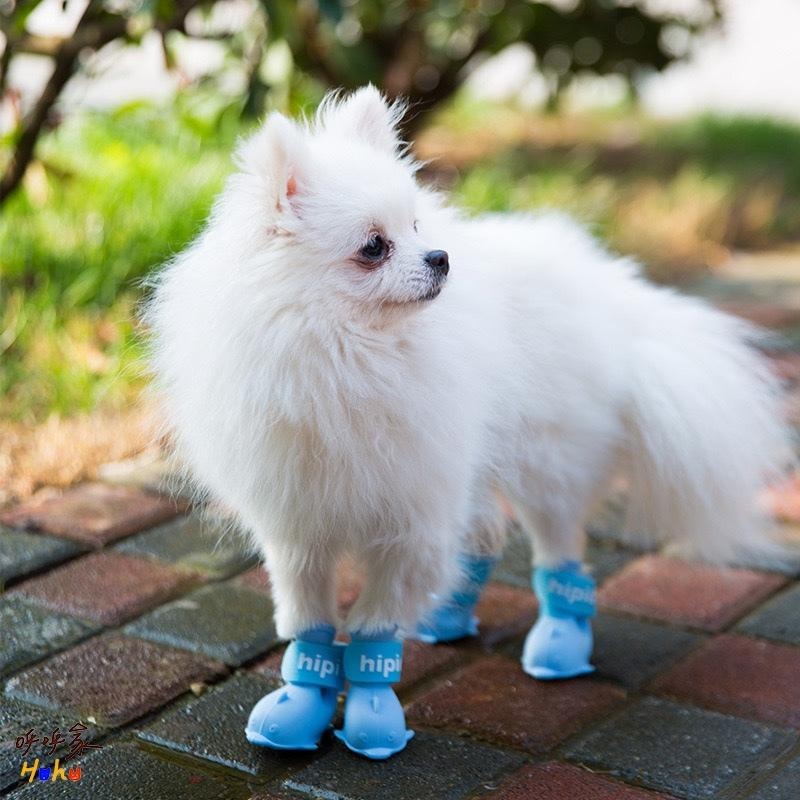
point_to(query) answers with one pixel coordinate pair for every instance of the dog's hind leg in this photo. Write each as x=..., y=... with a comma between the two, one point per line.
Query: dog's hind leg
x=560, y=644
x=295, y=716
x=552, y=506
x=453, y=617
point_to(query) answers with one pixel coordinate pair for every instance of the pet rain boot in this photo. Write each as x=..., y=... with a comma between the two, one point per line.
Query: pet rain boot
x=295, y=716
x=454, y=618
x=374, y=722
x=559, y=645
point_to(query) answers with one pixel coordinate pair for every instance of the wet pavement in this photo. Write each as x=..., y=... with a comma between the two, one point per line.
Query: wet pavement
x=144, y=627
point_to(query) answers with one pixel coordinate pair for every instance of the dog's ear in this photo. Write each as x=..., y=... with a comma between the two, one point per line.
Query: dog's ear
x=367, y=115
x=276, y=155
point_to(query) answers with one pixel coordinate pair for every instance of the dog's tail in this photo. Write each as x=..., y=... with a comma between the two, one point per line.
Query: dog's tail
x=706, y=433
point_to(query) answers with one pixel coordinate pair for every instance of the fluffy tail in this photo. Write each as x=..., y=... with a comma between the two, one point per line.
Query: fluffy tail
x=707, y=434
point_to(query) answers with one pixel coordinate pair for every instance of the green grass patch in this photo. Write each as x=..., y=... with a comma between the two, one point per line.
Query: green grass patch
x=115, y=195
x=112, y=197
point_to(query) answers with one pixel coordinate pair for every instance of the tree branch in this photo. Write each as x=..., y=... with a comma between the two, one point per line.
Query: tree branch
x=95, y=29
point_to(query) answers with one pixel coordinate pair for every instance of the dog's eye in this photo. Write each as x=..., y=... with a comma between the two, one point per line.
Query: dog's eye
x=376, y=248
x=416, y=226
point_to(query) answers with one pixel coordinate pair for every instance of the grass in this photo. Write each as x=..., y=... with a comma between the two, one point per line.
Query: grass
x=112, y=197
x=115, y=195
x=679, y=196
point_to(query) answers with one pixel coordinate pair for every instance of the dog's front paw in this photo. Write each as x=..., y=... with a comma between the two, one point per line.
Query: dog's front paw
x=295, y=716
x=291, y=718
x=374, y=722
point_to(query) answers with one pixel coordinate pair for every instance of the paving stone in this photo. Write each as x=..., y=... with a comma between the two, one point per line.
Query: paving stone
x=223, y=621
x=739, y=675
x=17, y=720
x=194, y=543
x=105, y=587
x=30, y=633
x=422, y=661
x=632, y=651
x=22, y=553
x=684, y=751
x=495, y=700
x=786, y=533
x=211, y=727
x=687, y=593
x=125, y=771
x=92, y=513
x=514, y=567
x=263, y=794
x=504, y=612
x=431, y=766
x=605, y=558
x=270, y=665
x=555, y=781
x=778, y=618
x=783, y=784
x=112, y=679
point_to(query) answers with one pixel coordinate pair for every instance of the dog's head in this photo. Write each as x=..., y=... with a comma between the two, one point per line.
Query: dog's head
x=341, y=199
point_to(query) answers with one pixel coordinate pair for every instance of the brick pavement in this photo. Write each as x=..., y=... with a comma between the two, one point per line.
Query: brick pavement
x=142, y=621
x=160, y=639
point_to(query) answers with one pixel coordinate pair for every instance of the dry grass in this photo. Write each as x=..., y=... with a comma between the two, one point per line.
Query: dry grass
x=60, y=452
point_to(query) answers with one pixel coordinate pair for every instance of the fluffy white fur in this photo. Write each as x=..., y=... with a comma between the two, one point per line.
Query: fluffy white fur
x=338, y=413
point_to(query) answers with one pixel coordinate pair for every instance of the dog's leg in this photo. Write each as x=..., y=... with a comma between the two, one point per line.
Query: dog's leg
x=295, y=716
x=560, y=644
x=454, y=615
x=303, y=580
x=400, y=578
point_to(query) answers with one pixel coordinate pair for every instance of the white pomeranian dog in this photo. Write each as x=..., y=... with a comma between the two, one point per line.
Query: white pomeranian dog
x=358, y=370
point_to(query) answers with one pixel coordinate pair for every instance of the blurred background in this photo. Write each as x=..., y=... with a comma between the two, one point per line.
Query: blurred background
x=670, y=127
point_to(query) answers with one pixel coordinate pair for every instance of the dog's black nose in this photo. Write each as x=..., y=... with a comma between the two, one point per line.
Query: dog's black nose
x=438, y=260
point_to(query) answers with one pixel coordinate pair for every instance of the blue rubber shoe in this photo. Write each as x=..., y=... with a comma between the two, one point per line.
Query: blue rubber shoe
x=560, y=644
x=374, y=722
x=454, y=618
x=295, y=716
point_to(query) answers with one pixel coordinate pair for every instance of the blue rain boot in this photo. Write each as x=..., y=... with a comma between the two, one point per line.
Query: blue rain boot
x=559, y=645
x=454, y=618
x=374, y=722
x=295, y=716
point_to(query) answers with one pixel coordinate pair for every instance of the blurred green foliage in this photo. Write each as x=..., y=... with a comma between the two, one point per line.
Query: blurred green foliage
x=675, y=194
x=117, y=194
x=419, y=50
